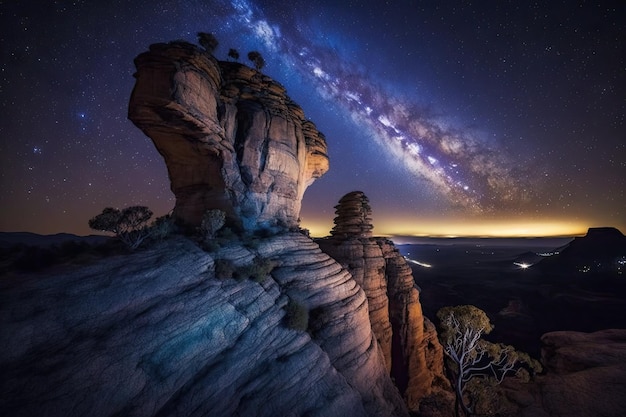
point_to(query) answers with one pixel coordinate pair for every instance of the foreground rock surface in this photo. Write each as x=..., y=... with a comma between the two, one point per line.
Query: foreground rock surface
x=156, y=334
x=586, y=373
x=231, y=137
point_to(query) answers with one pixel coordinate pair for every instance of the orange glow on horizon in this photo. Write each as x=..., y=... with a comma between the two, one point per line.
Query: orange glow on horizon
x=478, y=228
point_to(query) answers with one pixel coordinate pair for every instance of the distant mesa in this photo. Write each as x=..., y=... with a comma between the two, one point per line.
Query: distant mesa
x=601, y=250
x=231, y=137
x=8, y=239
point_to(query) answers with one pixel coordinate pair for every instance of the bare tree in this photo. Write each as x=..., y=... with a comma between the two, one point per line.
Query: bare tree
x=257, y=59
x=461, y=330
x=208, y=41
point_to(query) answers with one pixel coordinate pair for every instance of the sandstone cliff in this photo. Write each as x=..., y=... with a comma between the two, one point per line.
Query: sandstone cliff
x=408, y=340
x=230, y=136
x=155, y=333
x=159, y=332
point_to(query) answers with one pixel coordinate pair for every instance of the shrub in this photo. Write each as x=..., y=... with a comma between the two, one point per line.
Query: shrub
x=226, y=233
x=234, y=54
x=224, y=269
x=257, y=270
x=257, y=60
x=212, y=221
x=211, y=246
x=470, y=357
x=208, y=41
x=297, y=316
x=129, y=225
x=162, y=227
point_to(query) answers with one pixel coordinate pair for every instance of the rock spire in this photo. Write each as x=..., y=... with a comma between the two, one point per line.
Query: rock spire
x=354, y=216
x=408, y=340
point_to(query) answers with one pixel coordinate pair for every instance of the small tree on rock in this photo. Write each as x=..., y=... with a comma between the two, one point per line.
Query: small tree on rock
x=257, y=59
x=130, y=225
x=208, y=41
x=462, y=328
x=234, y=54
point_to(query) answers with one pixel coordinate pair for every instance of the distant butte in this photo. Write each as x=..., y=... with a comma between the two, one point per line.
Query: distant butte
x=601, y=250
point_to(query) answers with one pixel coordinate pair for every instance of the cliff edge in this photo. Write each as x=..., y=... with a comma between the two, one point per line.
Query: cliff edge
x=155, y=333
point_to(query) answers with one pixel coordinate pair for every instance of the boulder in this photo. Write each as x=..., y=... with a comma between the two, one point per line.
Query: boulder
x=586, y=373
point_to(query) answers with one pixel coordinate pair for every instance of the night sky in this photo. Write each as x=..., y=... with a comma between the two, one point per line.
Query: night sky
x=494, y=118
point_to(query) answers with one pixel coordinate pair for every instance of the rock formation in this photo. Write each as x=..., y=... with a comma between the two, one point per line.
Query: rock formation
x=586, y=373
x=158, y=332
x=408, y=340
x=155, y=333
x=230, y=136
x=601, y=251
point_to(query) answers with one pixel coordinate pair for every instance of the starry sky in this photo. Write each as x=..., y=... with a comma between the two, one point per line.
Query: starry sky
x=459, y=118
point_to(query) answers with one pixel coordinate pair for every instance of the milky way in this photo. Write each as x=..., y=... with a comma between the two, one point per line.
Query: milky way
x=454, y=118
x=461, y=166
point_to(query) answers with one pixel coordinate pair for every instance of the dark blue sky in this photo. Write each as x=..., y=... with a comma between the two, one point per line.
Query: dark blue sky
x=454, y=118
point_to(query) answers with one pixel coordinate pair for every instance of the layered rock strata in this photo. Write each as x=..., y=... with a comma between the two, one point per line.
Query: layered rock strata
x=412, y=352
x=230, y=136
x=156, y=334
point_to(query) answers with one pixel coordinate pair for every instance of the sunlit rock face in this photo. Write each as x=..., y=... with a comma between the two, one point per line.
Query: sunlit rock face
x=230, y=136
x=155, y=333
x=413, y=354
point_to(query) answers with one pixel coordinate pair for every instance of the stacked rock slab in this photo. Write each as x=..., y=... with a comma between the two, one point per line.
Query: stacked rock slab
x=353, y=217
x=408, y=340
x=352, y=245
x=230, y=136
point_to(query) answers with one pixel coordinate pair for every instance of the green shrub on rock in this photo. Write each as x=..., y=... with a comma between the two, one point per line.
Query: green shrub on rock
x=224, y=269
x=297, y=316
x=212, y=221
x=257, y=270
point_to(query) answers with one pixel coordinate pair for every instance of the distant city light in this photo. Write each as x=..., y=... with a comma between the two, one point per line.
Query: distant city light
x=423, y=264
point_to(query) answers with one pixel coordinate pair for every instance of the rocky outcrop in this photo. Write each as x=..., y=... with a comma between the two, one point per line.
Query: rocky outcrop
x=586, y=373
x=413, y=354
x=417, y=364
x=156, y=334
x=230, y=136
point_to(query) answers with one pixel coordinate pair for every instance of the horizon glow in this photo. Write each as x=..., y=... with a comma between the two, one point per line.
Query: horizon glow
x=439, y=228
